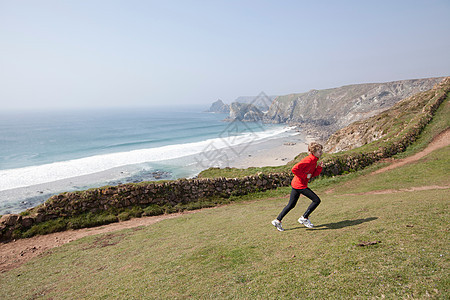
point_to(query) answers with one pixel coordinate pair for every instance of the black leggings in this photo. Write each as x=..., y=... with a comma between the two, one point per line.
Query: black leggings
x=295, y=194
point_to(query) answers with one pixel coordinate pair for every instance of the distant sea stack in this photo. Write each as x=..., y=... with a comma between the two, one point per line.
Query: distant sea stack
x=219, y=107
x=261, y=102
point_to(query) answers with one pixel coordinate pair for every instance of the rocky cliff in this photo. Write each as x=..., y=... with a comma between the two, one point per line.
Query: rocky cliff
x=262, y=101
x=245, y=112
x=389, y=123
x=325, y=111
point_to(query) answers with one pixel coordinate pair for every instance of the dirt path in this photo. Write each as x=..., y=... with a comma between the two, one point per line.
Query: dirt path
x=413, y=189
x=15, y=253
x=442, y=140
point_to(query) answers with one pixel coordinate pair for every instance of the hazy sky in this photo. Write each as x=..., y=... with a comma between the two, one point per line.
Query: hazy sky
x=93, y=53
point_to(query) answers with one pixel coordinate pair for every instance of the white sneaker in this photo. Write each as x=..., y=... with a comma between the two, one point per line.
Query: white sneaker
x=277, y=224
x=305, y=222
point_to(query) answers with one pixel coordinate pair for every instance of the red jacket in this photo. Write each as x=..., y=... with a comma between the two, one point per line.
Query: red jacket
x=306, y=166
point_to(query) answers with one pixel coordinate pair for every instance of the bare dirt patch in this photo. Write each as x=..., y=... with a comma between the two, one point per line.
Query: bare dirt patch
x=17, y=252
x=442, y=140
x=413, y=189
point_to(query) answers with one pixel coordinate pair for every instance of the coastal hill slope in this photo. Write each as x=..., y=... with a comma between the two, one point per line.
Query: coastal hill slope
x=383, y=125
x=323, y=112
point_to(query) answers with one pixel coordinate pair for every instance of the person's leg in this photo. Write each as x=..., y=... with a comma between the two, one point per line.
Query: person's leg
x=295, y=194
x=315, y=201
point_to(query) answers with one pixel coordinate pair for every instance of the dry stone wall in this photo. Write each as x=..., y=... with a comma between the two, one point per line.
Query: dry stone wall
x=175, y=192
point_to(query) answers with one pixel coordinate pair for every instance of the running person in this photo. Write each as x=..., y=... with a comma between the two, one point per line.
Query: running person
x=303, y=171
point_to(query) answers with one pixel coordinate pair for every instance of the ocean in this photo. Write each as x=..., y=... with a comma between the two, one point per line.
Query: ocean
x=45, y=153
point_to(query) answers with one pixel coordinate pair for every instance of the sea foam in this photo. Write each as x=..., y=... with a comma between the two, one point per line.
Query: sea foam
x=33, y=175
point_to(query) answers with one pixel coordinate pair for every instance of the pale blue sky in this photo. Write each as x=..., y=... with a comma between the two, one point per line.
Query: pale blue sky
x=92, y=53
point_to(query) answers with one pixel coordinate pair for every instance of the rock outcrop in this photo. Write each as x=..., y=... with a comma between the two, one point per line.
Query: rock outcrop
x=262, y=101
x=219, y=107
x=245, y=112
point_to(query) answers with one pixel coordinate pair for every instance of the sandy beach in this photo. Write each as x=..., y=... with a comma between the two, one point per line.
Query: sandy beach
x=276, y=152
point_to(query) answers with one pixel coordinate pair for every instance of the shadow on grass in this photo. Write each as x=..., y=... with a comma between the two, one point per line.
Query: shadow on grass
x=338, y=225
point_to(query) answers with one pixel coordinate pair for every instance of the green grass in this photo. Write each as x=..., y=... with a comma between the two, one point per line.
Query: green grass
x=234, y=252
x=238, y=173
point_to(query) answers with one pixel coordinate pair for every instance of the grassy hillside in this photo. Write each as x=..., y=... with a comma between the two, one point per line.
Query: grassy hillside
x=364, y=245
x=350, y=91
x=393, y=123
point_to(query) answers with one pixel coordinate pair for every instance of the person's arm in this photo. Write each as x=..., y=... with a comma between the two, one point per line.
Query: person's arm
x=318, y=170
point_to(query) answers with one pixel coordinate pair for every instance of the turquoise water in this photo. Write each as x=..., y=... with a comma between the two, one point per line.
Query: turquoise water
x=29, y=139
x=148, y=144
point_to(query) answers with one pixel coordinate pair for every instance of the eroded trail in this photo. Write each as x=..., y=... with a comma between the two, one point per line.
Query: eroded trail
x=442, y=140
x=413, y=189
x=15, y=253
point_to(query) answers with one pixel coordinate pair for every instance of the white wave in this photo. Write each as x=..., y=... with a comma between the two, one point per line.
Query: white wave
x=27, y=176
